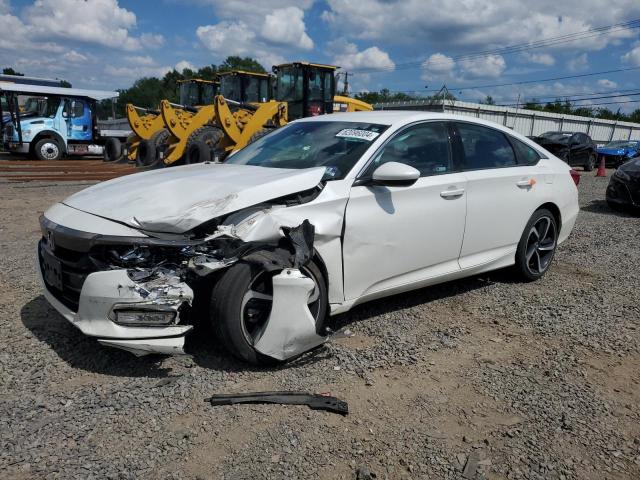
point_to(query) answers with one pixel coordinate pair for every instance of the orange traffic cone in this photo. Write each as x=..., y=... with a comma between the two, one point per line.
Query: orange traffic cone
x=601, y=170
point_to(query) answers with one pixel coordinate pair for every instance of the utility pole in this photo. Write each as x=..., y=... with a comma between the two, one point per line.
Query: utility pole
x=345, y=87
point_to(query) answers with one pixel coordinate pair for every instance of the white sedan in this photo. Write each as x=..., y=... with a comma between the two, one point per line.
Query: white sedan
x=310, y=220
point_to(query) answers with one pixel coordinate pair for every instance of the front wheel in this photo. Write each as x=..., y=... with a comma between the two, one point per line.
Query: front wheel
x=241, y=304
x=537, y=246
x=48, y=149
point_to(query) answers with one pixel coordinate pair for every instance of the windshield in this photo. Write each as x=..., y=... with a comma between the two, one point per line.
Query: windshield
x=621, y=144
x=38, y=106
x=337, y=146
x=188, y=94
x=230, y=87
x=289, y=84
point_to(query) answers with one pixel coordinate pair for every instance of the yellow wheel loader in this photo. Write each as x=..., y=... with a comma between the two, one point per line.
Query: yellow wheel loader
x=148, y=126
x=301, y=90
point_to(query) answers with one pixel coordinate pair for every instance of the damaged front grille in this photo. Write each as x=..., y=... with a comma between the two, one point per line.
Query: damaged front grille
x=64, y=272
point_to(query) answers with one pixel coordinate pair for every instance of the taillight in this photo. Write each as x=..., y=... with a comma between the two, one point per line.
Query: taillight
x=575, y=175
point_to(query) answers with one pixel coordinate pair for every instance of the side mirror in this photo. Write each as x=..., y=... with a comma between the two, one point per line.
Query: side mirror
x=395, y=174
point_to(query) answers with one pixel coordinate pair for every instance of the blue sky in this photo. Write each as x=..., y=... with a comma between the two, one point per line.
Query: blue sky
x=400, y=45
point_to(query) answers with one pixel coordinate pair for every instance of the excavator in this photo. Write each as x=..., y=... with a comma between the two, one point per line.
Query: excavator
x=301, y=89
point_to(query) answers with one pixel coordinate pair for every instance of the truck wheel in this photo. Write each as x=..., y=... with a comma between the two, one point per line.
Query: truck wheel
x=48, y=149
x=241, y=304
x=112, y=150
x=201, y=144
x=148, y=149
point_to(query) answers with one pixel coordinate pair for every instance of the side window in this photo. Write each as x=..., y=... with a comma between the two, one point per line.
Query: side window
x=424, y=147
x=525, y=154
x=485, y=147
x=78, y=109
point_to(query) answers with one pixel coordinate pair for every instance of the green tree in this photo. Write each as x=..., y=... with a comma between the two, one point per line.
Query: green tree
x=239, y=63
x=65, y=84
x=488, y=100
x=11, y=71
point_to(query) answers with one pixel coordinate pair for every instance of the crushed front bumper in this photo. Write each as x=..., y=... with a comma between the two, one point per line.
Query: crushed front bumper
x=105, y=292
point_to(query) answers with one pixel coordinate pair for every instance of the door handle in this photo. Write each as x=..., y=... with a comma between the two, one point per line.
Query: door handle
x=452, y=193
x=528, y=183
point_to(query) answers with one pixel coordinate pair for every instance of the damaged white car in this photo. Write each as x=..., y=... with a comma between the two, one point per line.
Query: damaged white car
x=308, y=221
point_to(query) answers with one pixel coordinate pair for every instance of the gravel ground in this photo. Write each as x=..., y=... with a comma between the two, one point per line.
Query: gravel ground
x=479, y=378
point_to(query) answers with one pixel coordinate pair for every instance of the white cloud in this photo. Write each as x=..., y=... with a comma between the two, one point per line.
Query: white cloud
x=227, y=38
x=145, y=60
x=633, y=56
x=5, y=7
x=606, y=83
x=488, y=66
x=286, y=26
x=439, y=63
x=581, y=62
x=491, y=23
x=74, y=57
x=184, y=64
x=101, y=22
x=268, y=31
x=540, y=58
x=371, y=57
x=129, y=74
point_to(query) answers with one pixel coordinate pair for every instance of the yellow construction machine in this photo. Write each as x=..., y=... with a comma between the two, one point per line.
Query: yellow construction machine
x=302, y=89
x=148, y=126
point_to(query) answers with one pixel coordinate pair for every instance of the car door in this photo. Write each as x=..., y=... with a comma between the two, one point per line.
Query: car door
x=79, y=116
x=398, y=236
x=502, y=193
x=579, y=148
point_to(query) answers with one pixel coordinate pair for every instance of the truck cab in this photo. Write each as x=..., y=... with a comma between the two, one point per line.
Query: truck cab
x=50, y=122
x=308, y=88
x=245, y=87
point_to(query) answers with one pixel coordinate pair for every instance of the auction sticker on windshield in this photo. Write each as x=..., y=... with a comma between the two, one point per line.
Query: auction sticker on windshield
x=356, y=133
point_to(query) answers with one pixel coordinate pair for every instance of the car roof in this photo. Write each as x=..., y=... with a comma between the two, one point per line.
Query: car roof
x=398, y=118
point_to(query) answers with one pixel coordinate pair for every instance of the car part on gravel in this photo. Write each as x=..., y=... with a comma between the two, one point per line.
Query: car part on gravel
x=313, y=401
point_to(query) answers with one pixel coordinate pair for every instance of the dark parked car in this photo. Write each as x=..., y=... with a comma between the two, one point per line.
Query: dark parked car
x=624, y=186
x=577, y=149
x=619, y=151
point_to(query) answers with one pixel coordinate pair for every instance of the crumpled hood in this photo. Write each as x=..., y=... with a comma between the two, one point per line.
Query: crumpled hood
x=177, y=199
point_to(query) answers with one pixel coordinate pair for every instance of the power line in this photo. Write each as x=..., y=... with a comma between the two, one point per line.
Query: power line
x=516, y=48
x=574, y=100
x=522, y=82
x=525, y=82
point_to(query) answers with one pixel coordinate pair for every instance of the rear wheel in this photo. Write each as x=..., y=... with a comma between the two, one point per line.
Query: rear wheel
x=48, y=149
x=241, y=304
x=537, y=246
x=590, y=163
x=201, y=144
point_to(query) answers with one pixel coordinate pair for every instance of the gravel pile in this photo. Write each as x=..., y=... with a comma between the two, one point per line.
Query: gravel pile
x=479, y=378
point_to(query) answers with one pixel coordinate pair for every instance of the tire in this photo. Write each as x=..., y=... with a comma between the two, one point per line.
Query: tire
x=201, y=143
x=148, y=150
x=534, y=256
x=230, y=312
x=112, y=150
x=197, y=152
x=590, y=163
x=48, y=149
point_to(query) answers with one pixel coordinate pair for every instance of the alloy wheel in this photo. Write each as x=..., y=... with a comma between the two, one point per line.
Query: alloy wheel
x=257, y=301
x=541, y=245
x=49, y=150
